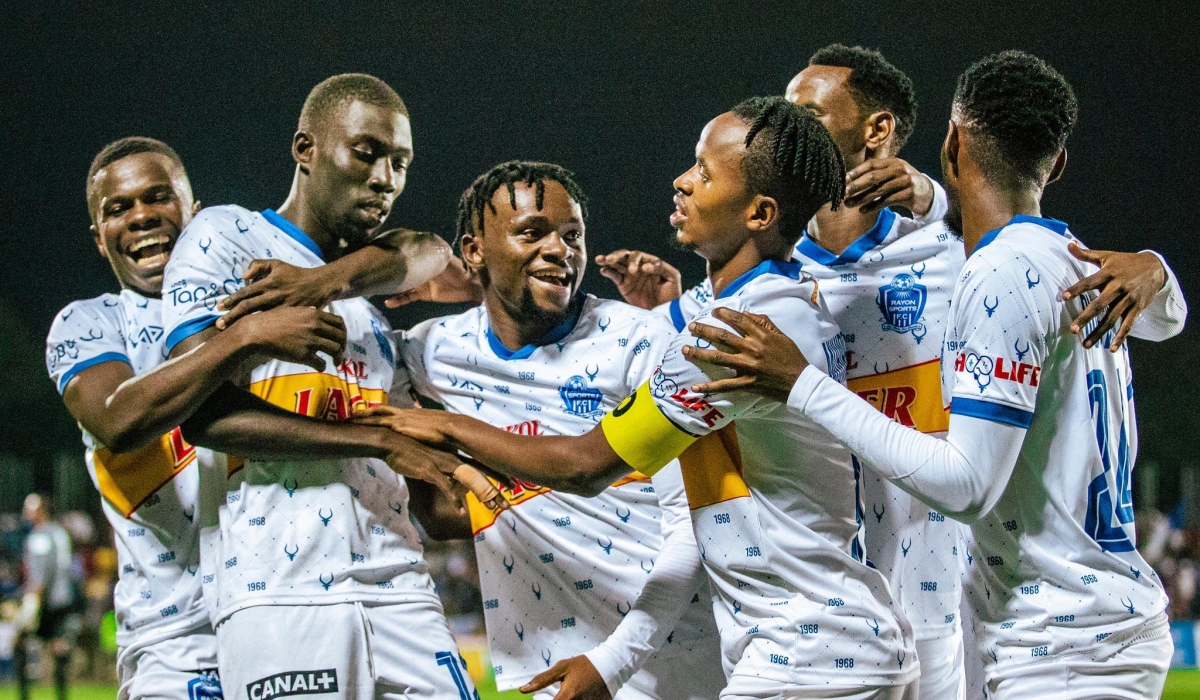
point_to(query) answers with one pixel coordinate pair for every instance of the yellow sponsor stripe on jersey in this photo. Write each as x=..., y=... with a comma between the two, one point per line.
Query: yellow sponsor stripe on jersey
x=712, y=469
x=317, y=394
x=911, y=396
x=127, y=480
x=641, y=435
x=483, y=517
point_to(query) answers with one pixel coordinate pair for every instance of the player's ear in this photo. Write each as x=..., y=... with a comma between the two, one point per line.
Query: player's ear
x=762, y=213
x=98, y=241
x=1060, y=164
x=877, y=131
x=950, y=149
x=302, y=150
x=472, y=251
x=195, y=207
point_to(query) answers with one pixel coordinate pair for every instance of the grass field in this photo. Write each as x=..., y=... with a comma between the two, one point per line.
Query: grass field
x=1181, y=685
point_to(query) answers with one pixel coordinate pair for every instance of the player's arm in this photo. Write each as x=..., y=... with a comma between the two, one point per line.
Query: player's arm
x=1139, y=295
x=677, y=576
x=126, y=412
x=963, y=475
x=584, y=464
x=394, y=262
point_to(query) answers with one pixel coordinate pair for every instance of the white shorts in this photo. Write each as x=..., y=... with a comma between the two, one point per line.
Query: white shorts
x=345, y=650
x=693, y=675
x=858, y=692
x=1134, y=672
x=942, y=674
x=183, y=668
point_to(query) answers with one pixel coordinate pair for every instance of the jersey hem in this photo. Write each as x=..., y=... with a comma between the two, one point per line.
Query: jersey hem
x=296, y=601
x=148, y=635
x=1150, y=629
x=825, y=679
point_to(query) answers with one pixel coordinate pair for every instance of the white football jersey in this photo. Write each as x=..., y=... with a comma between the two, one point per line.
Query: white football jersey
x=776, y=507
x=558, y=571
x=149, y=496
x=890, y=294
x=312, y=532
x=1053, y=569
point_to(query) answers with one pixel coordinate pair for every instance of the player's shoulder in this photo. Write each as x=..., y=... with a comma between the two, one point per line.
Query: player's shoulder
x=1023, y=247
x=771, y=283
x=221, y=218
x=432, y=330
x=107, y=304
x=610, y=315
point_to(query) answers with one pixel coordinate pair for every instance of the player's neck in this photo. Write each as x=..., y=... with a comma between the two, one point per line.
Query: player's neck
x=515, y=328
x=296, y=210
x=835, y=231
x=986, y=207
x=723, y=272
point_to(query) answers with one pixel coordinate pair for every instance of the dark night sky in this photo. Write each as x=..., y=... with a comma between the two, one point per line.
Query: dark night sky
x=618, y=93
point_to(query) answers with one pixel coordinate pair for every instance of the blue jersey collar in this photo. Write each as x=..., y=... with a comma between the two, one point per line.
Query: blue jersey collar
x=865, y=243
x=783, y=268
x=556, y=334
x=1059, y=227
x=293, y=231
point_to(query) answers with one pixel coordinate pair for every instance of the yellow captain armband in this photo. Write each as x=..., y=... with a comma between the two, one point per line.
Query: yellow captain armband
x=641, y=435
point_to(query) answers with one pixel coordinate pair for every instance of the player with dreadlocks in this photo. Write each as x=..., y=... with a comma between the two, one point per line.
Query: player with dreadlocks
x=560, y=571
x=1041, y=439
x=775, y=506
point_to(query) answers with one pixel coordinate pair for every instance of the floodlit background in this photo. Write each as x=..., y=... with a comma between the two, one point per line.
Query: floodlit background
x=617, y=92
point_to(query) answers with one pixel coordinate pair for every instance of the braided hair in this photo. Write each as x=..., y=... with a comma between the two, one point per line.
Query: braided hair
x=1023, y=111
x=534, y=174
x=791, y=158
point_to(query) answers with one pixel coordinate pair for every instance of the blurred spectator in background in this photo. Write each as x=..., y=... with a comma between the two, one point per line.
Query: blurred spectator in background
x=1174, y=552
x=49, y=605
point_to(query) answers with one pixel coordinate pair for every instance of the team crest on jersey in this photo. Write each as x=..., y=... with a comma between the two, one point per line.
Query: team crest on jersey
x=581, y=400
x=206, y=686
x=902, y=303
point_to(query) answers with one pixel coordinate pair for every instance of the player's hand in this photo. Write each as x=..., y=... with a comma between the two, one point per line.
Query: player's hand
x=446, y=471
x=579, y=678
x=429, y=426
x=294, y=334
x=271, y=283
x=765, y=360
x=453, y=285
x=644, y=280
x=882, y=182
x=1128, y=283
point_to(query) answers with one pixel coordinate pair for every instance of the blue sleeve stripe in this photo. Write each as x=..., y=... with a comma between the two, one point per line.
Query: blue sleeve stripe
x=997, y=413
x=187, y=329
x=90, y=362
x=677, y=316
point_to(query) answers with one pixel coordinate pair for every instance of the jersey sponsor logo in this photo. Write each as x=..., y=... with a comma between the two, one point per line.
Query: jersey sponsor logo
x=902, y=302
x=526, y=427
x=911, y=396
x=983, y=368
x=129, y=480
x=581, y=400
x=294, y=683
x=318, y=395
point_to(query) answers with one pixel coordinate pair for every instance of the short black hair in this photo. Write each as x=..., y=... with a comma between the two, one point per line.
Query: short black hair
x=1023, y=109
x=122, y=148
x=479, y=194
x=791, y=158
x=332, y=93
x=876, y=84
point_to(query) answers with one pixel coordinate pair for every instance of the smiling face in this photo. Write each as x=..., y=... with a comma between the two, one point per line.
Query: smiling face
x=712, y=201
x=140, y=204
x=822, y=90
x=357, y=165
x=531, y=259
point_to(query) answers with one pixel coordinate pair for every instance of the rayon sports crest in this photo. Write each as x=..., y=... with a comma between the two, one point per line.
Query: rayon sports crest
x=902, y=302
x=581, y=400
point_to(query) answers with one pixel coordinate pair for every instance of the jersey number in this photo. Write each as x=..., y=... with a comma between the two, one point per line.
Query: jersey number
x=450, y=660
x=1100, y=511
